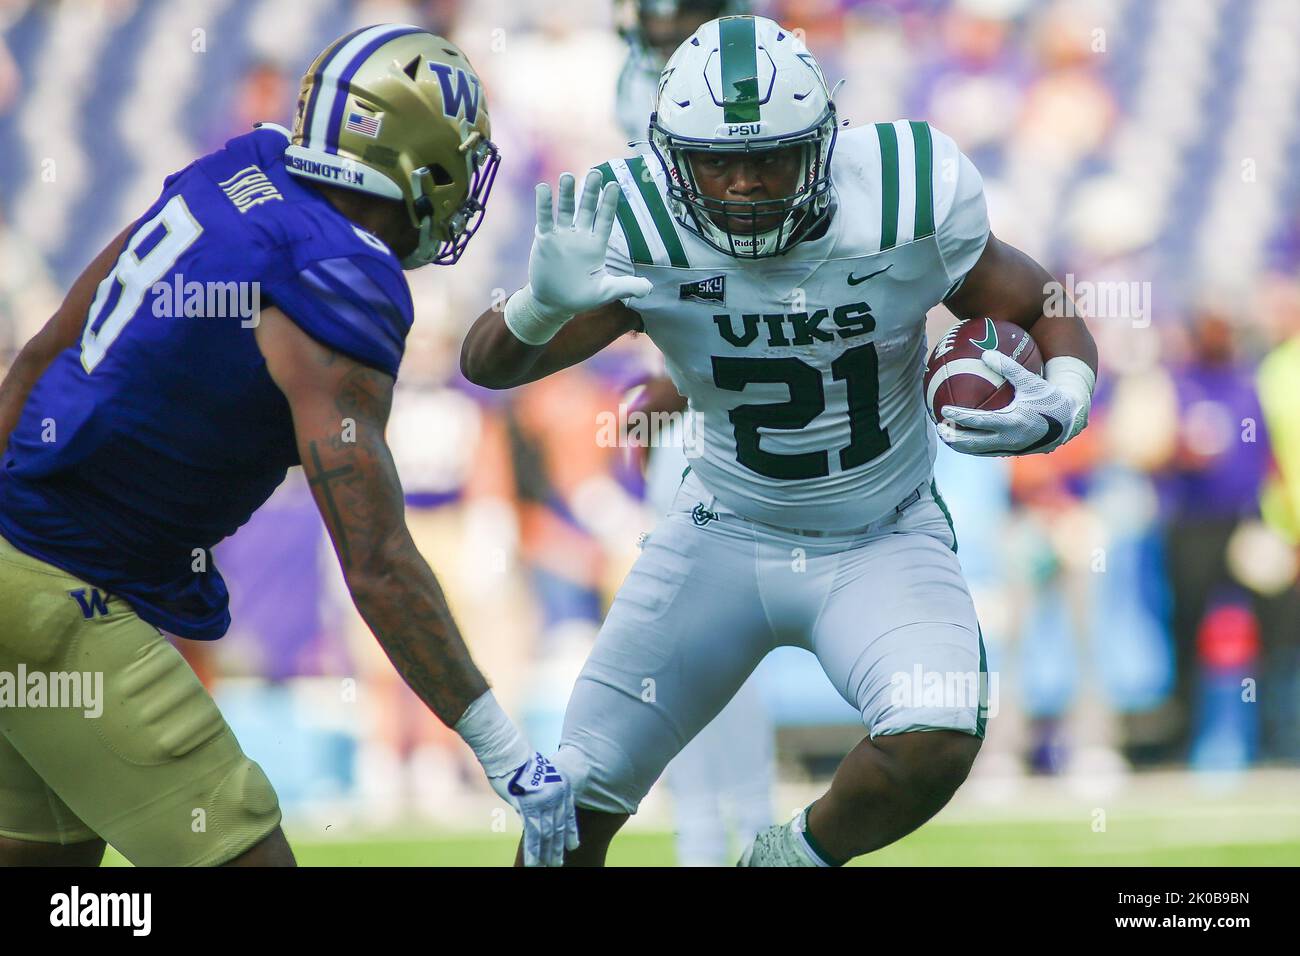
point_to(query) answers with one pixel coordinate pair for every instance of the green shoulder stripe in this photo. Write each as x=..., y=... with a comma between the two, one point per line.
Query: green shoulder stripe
x=923, y=223
x=637, y=249
x=658, y=212
x=888, y=185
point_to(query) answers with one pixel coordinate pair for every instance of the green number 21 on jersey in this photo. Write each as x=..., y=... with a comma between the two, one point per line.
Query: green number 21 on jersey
x=858, y=368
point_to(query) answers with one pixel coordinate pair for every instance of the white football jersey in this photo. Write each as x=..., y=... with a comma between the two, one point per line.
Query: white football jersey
x=804, y=370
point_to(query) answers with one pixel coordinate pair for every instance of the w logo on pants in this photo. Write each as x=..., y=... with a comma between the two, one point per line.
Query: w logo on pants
x=96, y=604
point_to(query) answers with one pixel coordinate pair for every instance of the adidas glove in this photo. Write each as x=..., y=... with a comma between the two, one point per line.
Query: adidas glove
x=525, y=779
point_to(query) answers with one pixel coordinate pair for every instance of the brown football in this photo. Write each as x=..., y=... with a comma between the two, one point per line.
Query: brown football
x=956, y=375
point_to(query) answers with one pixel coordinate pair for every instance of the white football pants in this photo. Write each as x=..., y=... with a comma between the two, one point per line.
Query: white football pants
x=885, y=610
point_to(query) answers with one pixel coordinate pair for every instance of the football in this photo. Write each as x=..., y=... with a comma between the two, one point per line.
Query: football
x=955, y=374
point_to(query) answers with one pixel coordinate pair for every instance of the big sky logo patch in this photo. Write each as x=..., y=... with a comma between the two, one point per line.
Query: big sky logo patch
x=713, y=289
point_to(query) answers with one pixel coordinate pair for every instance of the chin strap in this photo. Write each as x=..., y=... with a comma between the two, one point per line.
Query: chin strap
x=427, y=250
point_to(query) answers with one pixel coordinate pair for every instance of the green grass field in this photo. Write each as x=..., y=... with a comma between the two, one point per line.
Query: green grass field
x=1021, y=844
x=965, y=844
x=1161, y=820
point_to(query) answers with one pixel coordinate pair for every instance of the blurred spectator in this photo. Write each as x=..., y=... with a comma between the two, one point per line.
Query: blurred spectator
x=265, y=93
x=1208, y=485
x=1273, y=565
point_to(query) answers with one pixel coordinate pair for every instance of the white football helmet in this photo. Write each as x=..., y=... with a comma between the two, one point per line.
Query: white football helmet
x=745, y=84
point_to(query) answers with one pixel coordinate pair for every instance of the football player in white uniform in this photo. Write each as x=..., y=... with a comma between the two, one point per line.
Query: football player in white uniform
x=723, y=780
x=785, y=267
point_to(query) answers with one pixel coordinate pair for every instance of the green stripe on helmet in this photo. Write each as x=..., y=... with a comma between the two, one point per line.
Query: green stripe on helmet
x=637, y=249
x=739, y=53
x=658, y=212
x=888, y=185
x=923, y=222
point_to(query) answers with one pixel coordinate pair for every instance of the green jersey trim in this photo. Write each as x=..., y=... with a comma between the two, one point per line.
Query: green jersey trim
x=906, y=182
x=663, y=221
x=637, y=249
x=923, y=150
x=888, y=185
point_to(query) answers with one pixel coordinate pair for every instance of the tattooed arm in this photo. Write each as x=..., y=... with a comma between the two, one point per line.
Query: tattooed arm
x=356, y=487
x=340, y=409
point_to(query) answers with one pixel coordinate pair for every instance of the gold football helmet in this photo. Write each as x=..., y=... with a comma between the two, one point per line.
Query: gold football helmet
x=395, y=111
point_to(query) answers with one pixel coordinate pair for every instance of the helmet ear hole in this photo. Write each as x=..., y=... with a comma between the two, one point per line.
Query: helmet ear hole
x=440, y=175
x=412, y=69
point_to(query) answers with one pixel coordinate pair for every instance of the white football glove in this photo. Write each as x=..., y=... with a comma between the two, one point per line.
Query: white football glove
x=566, y=267
x=544, y=800
x=523, y=778
x=1044, y=414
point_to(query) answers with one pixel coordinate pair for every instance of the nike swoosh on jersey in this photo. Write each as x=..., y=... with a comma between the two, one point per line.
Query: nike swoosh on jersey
x=990, y=340
x=858, y=280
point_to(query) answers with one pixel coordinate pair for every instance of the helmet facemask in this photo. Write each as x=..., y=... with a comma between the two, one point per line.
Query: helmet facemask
x=431, y=185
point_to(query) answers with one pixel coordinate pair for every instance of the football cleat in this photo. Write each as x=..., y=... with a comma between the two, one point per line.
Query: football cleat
x=778, y=845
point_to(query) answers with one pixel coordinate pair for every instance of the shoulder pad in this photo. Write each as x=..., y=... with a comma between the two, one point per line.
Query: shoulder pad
x=357, y=304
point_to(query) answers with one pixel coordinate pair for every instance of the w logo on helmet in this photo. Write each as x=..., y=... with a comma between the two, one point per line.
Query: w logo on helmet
x=465, y=94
